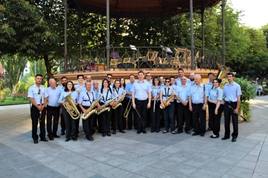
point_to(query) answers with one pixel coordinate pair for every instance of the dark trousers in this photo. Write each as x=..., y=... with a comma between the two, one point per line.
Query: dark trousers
x=87, y=124
x=132, y=119
x=37, y=117
x=199, y=118
x=183, y=117
x=52, y=114
x=141, y=106
x=105, y=121
x=69, y=124
x=116, y=119
x=155, y=116
x=211, y=114
x=169, y=117
x=62, y=121
x=215, y=119
x=228, y=114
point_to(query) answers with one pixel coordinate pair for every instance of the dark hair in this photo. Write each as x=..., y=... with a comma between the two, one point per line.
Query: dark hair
x=156, y=78
x=210, y=73
x=231, y=73
x=102, y=86
x=124, y=84
x=172, y=77
x=66, y=89
x=141, y=72
x=63, y=77
x=38, y=75
x=218, y=80
x=181, y=69
x=131, y=75
x=80, y=75
x=109, y=74
x=117, y=80
x=52, y=78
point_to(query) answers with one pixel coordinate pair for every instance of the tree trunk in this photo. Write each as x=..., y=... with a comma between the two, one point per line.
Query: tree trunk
x=48, y=66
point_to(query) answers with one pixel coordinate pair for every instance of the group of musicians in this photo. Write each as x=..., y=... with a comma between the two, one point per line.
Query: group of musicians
x=175, y=104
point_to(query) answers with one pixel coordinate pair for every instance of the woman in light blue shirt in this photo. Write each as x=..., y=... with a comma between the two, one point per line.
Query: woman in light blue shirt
x=215, y=101
x=69, y=122
x=155, y=109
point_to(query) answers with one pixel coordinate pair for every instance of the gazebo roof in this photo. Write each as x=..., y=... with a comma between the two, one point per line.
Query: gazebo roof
x=141, y=8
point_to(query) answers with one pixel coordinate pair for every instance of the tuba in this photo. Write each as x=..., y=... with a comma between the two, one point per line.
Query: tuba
x=71, y=108
x=119, y=101
x=91, y=110
x=167, y=102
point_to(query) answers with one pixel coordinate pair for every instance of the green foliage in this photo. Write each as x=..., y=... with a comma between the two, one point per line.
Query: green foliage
x=248, y=92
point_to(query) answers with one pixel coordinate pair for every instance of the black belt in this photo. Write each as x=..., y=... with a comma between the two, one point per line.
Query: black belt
x=230, y=102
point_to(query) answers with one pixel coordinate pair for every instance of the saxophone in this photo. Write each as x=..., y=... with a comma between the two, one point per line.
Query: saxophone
x=105, y=107
x=167, y=102
x=91, y=110
x=71, y=108
x=119, y=101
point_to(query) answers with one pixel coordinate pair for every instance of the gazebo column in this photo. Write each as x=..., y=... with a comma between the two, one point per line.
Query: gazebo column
x=223, y=31
x=193, y=66
x=65, y=36
x=108, y=33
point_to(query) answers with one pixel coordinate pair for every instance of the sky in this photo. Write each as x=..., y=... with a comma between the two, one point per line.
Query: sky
x=254, y=12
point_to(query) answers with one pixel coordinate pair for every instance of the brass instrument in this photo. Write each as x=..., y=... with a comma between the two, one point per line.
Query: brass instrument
x=105, y=107
x=119, y=101
x=167, y=102
x=71, y=108
x=91, y=110
x=128, y=108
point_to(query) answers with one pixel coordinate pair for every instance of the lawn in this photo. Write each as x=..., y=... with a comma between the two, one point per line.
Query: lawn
x=14, y=100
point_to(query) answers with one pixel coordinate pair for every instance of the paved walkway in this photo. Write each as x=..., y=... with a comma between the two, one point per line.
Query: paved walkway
x=130, y=155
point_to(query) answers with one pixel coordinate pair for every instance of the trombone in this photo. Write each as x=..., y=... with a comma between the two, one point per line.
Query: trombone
x=127, y=110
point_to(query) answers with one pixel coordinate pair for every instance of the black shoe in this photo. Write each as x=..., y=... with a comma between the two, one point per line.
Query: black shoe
x=179, y=131
x=67, y=139
x=50, y=137
x=108, y=134
x=62, y=133
x=174, y=132
x=209, y=129
x=122, y=131
x=157, y=131
x=144, y=131
x=214, y=136
x=233, y=139
x=195, y=133
x=56, y=136
x=89, y=138
x=138, y=132
x=202, y=134
x=103, y=134
x=225, y=138
x=152, y=131
x=113, y=132
x=165, y=131
x=74, y=138
x=188, y=132
x=35, y=141
x=44, y=140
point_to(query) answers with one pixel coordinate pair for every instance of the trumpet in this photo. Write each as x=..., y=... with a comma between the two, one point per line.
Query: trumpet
x=71, y=108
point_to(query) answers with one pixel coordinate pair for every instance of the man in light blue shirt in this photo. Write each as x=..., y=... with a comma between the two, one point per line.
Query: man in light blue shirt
x=36, y=94
x=52, y=96
x=232, y=93
x=63, y=80
x=182, y=107
x=197, y=104
x=180, y=75
x=141, y=100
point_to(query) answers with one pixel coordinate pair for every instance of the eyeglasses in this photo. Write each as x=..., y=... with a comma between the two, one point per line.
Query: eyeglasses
x=167, y=81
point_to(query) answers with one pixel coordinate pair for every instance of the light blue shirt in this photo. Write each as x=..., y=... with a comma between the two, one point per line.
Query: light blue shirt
x=167, y=91
x=183, y=92
x=53, y=95
x=73, y=94
x=129, y=88
x=37, y=93
x=208, y=87
x=118, y=92
x=106, y=96
x=96, y=93
x=156, y=91
x=197, y=94
x=231, y=92
x=215, y=94
x=80, y=88
x=86, y=98
x=141, y=89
